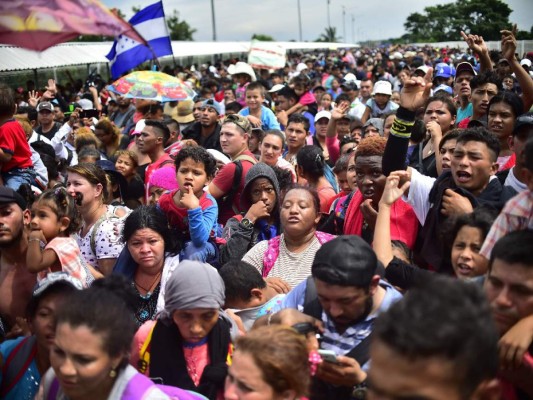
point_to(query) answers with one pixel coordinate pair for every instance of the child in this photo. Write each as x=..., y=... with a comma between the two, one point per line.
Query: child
x=190, y=210
x=127, y=164
x=301, y=85
x=381, y=102
x=54, y=218
x=15, y=154
x=242, y=73
x=162, y=181
x=258, y=115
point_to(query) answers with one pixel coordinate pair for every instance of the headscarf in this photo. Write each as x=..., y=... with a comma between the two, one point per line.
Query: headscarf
x=192, y=285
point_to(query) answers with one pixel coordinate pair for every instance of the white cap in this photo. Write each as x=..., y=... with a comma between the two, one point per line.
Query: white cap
x=350, y=78
x=526, y=61
x=382, y=87
x=322, y=114
x=396, y=56
x=276, y=88
x=423, y=68
x=85, y=104
x=139, y=127
x=300, y=67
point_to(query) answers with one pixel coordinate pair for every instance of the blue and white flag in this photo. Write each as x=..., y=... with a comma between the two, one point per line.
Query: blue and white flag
x=127, y=53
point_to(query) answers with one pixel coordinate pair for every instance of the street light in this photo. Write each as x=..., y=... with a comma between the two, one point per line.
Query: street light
x=299, y=20
x=213, y=20
x=329, y=22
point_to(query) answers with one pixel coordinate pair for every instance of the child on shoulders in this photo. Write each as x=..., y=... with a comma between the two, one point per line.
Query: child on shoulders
x=258, y=115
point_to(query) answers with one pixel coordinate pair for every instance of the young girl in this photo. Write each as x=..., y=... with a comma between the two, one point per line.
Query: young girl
x=127, y=164
x=54, y=218
x=301, y=85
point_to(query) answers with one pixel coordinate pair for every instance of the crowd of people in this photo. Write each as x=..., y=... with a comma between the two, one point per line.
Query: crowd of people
x=358, y=224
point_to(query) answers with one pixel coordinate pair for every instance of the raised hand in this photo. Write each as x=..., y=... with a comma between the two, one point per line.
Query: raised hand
x=509, y=43
x=475, y=43
x=33, y=98
x=393, y=191
x=416, y=91
x=340, y=111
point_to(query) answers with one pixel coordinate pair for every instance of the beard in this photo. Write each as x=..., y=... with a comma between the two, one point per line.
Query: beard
x=16, y=235
x=344, y=323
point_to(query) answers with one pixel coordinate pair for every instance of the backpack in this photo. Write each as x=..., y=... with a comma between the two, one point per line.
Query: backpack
x=227, y=200
x=272, y=251
x=17, y=363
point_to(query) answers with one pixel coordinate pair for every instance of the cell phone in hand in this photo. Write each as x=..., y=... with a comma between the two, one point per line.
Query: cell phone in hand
x=328, y=356
x=89, y=113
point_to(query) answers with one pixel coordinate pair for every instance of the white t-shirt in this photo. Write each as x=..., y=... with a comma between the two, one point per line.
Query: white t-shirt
x=418, y=196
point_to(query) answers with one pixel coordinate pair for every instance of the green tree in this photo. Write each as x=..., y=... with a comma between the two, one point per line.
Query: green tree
x=263, y=38
x=444, y=22
x=329, y=35
x=179, y=30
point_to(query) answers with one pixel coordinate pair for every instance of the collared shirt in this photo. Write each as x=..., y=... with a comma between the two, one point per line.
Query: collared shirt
x=341, y=344
x=516, y=215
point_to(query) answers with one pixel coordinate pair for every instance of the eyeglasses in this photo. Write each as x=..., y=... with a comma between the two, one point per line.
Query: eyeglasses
x=241, y=122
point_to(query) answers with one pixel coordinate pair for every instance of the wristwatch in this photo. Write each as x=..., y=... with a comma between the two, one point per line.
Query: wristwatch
x=359, y=391
x=247, y=223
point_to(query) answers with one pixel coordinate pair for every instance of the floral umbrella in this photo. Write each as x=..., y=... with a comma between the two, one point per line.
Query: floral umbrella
x=39, y=24
x=151, y=85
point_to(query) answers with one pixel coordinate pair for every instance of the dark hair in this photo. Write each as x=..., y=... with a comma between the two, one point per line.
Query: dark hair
x=239, y=279
x=59, y=287
x=278, y=133
x=345, y=140
x=153, y=218
x=256, y=86
x=111, y=313
x=284, y=177
x=511, y=99
x=445, y=319
x=528, y=154
x=89, y=152
x=233, y=106
x=484, y=78
x=514, y=248
x=93, y=173
x=199, y=155
x=418, y=132
x=299, y=119
x=312, y=192
x=63, y=205
x=303, y=80
x=160, y=128
x=342, y=163
x=444, y=99
x=311, y=159
x=481, y=218
x=258, y=133
x=288, y=93
x=7, y=100
x=451, y=135
x=482, y=135
x=343, y=97
x=171, y=124
x=31, y=111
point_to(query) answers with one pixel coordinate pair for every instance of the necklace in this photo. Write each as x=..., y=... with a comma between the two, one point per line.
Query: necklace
x=151, y=287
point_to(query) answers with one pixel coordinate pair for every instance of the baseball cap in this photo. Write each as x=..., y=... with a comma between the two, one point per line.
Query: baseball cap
x=346, y=260
x=301, y=67
x=45, y=105
x=526, y=62
x=443, y=88
x=322, y=114
x=86, y=104
x=184, y=111
x=56, y=278
x=212, y=104
x=465, y=67
x=423, y=68
x=276, y=88
x=138, y=127
x=443, y=71
x=382, y=87
x=8, y=195
x=525, y=119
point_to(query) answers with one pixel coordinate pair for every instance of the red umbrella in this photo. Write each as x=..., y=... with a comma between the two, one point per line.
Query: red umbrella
x=39, y=24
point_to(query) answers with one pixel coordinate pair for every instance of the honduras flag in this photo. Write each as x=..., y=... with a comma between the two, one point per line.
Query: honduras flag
x=127, y=53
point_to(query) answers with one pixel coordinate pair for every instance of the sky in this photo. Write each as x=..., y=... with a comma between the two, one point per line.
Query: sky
x=238, y=20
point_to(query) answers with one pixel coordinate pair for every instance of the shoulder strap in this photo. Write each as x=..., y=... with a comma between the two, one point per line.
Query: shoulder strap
x=271, y=255
x=246, y=157
x=17, y=363
x=237, y=177
x=166, y=162
x=312, y=306
x=144, y=353
x=361, y=352
x=95, y=231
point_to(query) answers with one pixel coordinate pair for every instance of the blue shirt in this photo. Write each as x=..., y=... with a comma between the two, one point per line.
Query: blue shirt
x=268, y=119
x=463, y=113
x=28, y=385
x=341, y=343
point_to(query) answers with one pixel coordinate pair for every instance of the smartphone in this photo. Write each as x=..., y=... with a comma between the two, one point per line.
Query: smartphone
x=89, y=114
x=328, y=356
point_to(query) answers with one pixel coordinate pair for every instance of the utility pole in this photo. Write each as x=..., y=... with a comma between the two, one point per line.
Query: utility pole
x=329, y=21
x=213, y=20
x=353, y=24
x=299, y=21
x=344, y=23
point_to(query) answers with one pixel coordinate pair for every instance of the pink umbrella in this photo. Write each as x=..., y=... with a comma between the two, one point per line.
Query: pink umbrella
x=39, y=24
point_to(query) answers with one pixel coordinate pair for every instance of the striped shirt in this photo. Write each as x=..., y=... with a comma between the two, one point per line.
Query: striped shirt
x=293, y=268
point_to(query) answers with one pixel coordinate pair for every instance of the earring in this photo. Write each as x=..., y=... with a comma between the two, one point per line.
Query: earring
x=113, y=373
